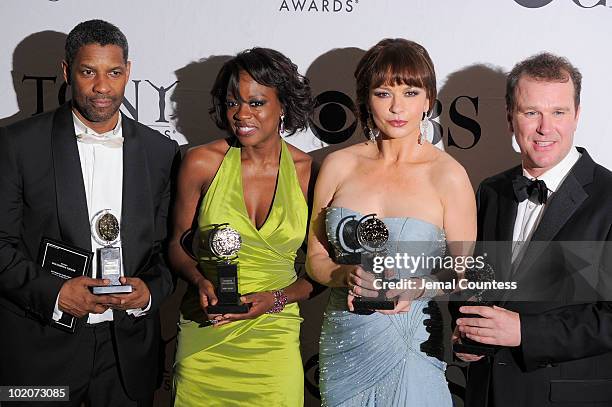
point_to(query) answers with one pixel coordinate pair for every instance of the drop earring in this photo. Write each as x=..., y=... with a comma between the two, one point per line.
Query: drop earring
x=374, y=134
x=281, y=127
x=423, y=127
x=372, y=131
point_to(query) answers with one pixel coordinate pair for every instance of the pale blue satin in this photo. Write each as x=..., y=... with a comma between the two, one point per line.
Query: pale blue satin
x=376, y=360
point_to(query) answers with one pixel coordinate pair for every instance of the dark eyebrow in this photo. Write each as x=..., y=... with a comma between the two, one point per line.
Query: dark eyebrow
x=257, y=95
x=115, y=68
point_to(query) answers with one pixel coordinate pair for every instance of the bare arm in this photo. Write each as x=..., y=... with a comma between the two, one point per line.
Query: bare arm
x=196, y=172
x=459, y=218
x=459, y=211
x=302, y=288
x=319, y=265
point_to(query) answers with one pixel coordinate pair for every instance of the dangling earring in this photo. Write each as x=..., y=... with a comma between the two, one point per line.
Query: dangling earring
x=281, y=127
x=372, y=131
x=423, y=127
x=374, y=134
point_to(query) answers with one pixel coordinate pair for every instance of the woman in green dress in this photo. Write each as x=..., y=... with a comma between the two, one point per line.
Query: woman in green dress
x=257, y=184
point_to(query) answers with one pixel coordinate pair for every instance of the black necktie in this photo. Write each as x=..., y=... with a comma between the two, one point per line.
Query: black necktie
x=525, y=188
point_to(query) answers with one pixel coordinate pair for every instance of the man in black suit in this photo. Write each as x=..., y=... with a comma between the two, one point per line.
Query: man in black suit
x=57, y=171
x=554, y=214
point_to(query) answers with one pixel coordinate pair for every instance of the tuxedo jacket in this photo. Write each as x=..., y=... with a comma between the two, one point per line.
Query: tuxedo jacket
x=42, y=194
x=564, y=283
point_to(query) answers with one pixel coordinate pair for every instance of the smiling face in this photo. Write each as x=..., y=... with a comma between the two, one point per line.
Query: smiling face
x=397, y=109
x=254, y=114
x=544, y=121
x=98, y=77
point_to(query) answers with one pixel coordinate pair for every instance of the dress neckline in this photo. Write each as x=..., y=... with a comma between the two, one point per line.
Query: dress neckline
x=390, y=217
x=272, y=203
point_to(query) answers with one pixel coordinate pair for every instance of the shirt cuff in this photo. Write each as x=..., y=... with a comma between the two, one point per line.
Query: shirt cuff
x=57, y=314
x=138, y=312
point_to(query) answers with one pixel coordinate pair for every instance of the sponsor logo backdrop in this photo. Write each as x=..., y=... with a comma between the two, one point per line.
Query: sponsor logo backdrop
x=176, y=49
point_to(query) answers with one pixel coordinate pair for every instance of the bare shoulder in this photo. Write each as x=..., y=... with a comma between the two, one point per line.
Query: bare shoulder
x=202, y=161
x=344, y=160
x=299, y=157
x=302, y=161
x=447, y=173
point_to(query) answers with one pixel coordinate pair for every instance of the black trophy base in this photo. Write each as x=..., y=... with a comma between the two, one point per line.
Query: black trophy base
x=369, y=306
x=227, y=309
x=474, y=348
x=471, y=346
x=113, y=289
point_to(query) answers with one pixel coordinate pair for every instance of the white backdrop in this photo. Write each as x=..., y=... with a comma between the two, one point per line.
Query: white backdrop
x=167, y=36
x=472, y=44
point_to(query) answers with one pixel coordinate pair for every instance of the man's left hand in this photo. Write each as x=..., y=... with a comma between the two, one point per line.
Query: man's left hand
x=498, y=326
x=137, y=299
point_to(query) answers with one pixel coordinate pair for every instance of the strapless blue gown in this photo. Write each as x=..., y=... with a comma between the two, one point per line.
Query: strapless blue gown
x=384, y=360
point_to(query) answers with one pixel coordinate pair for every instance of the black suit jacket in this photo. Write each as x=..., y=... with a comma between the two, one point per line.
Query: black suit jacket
x=42, y=194
x=562, y=295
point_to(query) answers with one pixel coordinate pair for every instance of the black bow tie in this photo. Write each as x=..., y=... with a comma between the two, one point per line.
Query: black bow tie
x=525, y=188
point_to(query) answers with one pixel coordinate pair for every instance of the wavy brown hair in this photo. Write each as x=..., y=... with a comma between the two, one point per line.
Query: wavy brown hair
x=393, y=62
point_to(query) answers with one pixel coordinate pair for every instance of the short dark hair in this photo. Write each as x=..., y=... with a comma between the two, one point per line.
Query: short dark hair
x=543, y=67
x=393, y=61
x=94, y=32
x=268, y=68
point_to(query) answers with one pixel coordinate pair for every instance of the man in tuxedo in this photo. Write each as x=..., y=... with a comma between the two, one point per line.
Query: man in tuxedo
x=58, y=170
x=554, y=332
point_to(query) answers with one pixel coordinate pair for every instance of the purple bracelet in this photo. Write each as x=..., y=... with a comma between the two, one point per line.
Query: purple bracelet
x=280, y=300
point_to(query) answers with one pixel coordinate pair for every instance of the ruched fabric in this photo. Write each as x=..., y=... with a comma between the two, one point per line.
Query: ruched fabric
x=382, y=360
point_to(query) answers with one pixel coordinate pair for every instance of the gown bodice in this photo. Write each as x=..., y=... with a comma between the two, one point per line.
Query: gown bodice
x=384, y=360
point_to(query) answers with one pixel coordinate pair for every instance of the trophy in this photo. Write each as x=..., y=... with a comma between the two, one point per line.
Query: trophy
x=105, y=231
x=224, y=243
x=365, y=239
x=476, y=298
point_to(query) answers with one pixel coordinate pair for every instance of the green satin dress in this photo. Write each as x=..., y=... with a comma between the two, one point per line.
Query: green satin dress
x=253, y=362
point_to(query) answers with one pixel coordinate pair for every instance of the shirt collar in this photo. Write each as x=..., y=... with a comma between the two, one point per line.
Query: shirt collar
x=555, y=176
x=80, y=128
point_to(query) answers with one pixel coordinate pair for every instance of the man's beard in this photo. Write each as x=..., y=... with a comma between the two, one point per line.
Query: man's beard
x=95, y=114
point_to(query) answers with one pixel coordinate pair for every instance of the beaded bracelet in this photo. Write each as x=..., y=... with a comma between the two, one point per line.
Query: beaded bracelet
x=280, y=300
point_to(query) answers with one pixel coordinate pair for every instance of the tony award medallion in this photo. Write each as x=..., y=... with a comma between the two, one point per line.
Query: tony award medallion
x=363, y=240
x=105, y=231
x=224, y=243
x=372, y=235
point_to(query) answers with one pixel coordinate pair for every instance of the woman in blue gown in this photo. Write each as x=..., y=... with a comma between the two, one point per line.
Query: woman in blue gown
x=425, y=199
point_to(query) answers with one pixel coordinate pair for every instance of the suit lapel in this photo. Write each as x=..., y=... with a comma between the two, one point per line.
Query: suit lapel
x=70, y=190
x=506, y=214
x=562, y=206
x=137, y=217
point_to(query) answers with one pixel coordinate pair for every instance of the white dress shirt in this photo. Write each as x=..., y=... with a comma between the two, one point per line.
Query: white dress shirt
x=102, y=170
x=529, y=212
